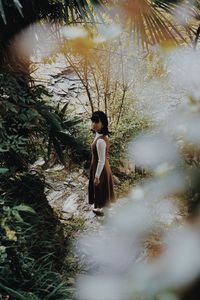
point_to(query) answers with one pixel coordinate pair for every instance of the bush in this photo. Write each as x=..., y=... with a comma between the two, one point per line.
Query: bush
x=32, y=241
x=129, y=126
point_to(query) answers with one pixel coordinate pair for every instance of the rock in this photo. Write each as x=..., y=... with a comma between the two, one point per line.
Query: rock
x=66, y=182
x=39, y=162
x=57, y=167
x=83, y=98
x=70, y=205
x=66, y=216
x=82, y=180
x=122, y=170
x=54, y=196
x=74, y=184
x=63, y=86
x=116, y=179
x=125, y=166
x=56, y=98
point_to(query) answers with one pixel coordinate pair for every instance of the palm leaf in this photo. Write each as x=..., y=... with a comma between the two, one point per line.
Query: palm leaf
x=63, y=110
x=74, y=10
x=58, y=149
x=66, y=138
x=18, y=6
x=152, y=21
x=72, y=122
x=51, y=118
x=3, y=170
x=15, y=294
x=2, y=12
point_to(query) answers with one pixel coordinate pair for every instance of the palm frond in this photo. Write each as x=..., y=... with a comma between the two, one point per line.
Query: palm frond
x=18, y=6
x=153, y=21
x=65, y=10
x=58, y=149
x=71, y=122
x=51, y=118
x=2, y=11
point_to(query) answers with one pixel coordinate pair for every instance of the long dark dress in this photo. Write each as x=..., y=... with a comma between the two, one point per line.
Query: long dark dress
x=103, y=194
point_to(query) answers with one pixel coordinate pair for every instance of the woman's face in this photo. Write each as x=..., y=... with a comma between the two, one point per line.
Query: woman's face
x=97, y=126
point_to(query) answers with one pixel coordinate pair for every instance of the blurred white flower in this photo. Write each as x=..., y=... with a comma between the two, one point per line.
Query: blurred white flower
x=122, y=276
x=109, y=252
x=119, y=268
x=38, y=39
x=157, y=98
x=101, y=288
x=107, y=32
x=177, y=266
x=150, y=151
x=73, y=32
x=183, y=12
x=184, y=68
x=164, y=186
x=137, y=193
x=185, y=124
x=167, y=296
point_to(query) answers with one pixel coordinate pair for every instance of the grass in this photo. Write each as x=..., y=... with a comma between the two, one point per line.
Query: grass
x=72, y=228
x=128, y=182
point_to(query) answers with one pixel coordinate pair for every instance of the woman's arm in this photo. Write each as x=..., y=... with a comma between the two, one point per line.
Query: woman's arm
x=101, y=151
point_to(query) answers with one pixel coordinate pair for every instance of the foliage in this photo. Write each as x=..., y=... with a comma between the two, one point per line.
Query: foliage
x=74, y=145
x=21, y=13
x=151, y=21
x=24, y=118
x=129, y=181
x=32, y=242
x=72, y=228
x=130, y=125
x=18, y=121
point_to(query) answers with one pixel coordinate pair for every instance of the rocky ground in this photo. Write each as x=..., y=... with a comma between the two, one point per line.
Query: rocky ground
x=63, y=83
x=67, y=193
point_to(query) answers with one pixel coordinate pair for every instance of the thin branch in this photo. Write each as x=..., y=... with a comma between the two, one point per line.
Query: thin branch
x=196, y=37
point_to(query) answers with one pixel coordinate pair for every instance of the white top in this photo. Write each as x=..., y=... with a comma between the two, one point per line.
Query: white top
x=101, y=151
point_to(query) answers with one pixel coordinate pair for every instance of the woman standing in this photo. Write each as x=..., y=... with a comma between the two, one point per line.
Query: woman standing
x=101, y=192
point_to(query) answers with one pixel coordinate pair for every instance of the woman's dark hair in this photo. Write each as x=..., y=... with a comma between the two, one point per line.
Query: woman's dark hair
x=101, y=116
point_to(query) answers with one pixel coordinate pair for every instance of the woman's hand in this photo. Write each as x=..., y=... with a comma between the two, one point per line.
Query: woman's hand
x=96, y=181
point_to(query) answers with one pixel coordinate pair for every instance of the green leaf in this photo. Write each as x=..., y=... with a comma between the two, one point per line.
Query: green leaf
x=58, y=149
x=63, y=110
x=15, y=294
x=2, y=12
x=71, y=123
x=16, y=215
x=18, y=6
x=23, y=207
x=51, y=118
x=66, y=138
x=3, y=170
x=81, y=11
